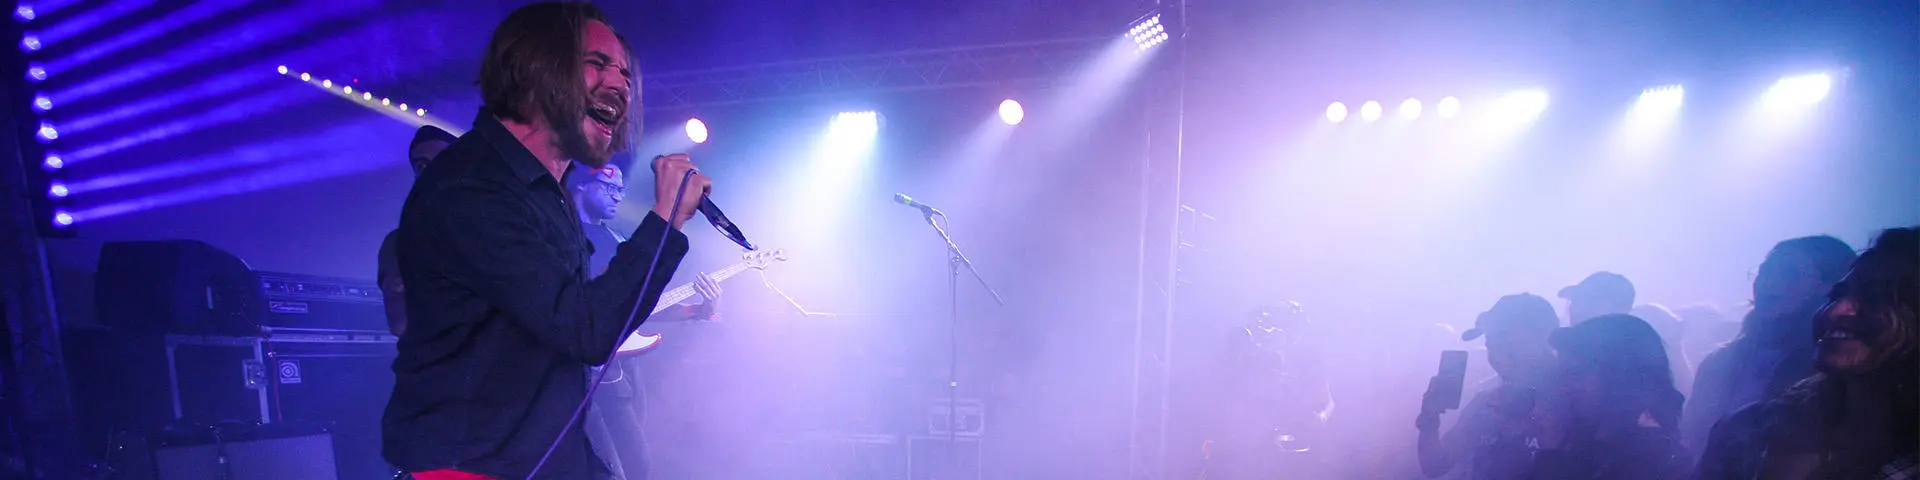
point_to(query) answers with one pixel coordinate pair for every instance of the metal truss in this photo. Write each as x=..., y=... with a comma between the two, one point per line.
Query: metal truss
x=938, y=69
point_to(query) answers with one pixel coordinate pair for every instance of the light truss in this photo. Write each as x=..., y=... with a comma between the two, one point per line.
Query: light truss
x=1026, y=63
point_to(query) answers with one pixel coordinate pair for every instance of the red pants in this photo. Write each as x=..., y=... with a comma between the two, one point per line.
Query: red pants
x=449, y=475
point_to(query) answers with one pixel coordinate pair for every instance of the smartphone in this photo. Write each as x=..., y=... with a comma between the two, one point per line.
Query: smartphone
x=1453, y=377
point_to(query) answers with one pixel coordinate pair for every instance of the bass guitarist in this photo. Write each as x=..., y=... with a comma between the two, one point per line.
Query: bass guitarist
x=616, y=421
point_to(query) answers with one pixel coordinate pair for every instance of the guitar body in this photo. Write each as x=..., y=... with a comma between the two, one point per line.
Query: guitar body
x=638, y=343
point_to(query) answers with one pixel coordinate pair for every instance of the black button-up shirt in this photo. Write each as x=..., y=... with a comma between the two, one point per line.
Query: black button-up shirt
x=502, y=319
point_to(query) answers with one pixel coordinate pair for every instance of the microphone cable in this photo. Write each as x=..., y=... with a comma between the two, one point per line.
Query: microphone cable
x=626, y=329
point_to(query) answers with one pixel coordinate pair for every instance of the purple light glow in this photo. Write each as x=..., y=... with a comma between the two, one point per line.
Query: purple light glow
x=24, y=13
x=54, y=162
x=62, y=219
x=57, y=190
x=48, y=133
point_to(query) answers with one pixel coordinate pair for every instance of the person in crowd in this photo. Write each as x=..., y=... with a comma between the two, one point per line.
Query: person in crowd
x=1493, y=437
x=1707, y=328
x=1672, y=333
x=1771, y=351
x=1602, y=293
x=1279, y=390
x=1625, y=411
x=427, y=143
x=1856, y=417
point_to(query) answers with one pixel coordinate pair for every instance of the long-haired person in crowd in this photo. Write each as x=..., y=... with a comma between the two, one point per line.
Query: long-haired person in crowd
x=1771, y=351
x=1859, y=417
x=1625, y=411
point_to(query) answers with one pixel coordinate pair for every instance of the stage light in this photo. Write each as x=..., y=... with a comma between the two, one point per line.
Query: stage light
x=48, y=133
x=696, y=130
x=282, y=69
x=403, y=107
x=852, y=127
x=1370, y=111
x=1410, y=109
x=41, y=103
x=1147, y=33
x=30, y=43
x=53, y=162
x=1798, y=91
x=24, y=13
x=347, y=88
x=1524, y=105
x=1336, y=112
x=324, y=83
x=1448, y=107
x=62, y=219
x=1011, y=113
x=420, y=112
x=1658, y=104
x=305, y=77
x=386, y=102
x=368, y=96
x=57, y=190
x=36, y=72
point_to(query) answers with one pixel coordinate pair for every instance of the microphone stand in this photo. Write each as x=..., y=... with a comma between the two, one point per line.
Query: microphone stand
x=955, y=260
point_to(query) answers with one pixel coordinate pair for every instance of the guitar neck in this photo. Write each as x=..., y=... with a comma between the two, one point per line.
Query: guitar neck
x=685, y=290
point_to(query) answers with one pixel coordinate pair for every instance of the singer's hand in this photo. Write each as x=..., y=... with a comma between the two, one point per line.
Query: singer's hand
x=667, y=171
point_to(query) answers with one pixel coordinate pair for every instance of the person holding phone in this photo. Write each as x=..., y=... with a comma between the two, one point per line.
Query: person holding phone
x=1496, y=432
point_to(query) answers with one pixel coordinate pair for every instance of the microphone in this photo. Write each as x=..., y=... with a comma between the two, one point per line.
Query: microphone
x=720, y=221
x=925, y=209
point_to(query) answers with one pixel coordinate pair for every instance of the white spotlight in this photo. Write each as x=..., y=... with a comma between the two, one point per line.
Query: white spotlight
x=420, y=112
x=368, y=96
x=1147, y=33
x=1370, y=111
x=1011, y=112
x=1336, y=112
x=1658, y=104
x=282, y=69
x=1524, y=105
x=324, y=83
x=1410, y=109
x=1448, y=107
x=855, y=126
x=696, y=130
x=1798, y=91
x=306, y=77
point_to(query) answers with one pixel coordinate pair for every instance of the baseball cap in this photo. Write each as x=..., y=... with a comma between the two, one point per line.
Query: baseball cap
x=1617, y=340
x=1601, y=286
x=1520, y=311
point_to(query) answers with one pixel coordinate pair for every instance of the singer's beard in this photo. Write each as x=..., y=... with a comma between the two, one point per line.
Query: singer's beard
x=566, y=123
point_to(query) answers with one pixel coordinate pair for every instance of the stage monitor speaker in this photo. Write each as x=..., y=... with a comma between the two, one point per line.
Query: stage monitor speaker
x=239, y=452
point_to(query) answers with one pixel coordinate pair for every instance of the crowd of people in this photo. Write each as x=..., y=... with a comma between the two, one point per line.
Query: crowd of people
x=1822, y=380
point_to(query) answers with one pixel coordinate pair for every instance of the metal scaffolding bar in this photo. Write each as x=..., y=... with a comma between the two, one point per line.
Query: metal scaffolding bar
x=1042, y=62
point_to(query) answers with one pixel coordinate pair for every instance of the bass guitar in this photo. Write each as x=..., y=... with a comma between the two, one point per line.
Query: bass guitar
x=638, y=343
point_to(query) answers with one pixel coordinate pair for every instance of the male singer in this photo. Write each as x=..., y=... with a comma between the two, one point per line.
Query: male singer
x=502, y=319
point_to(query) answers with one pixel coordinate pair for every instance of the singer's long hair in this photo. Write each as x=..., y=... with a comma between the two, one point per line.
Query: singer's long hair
x=533, y=68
